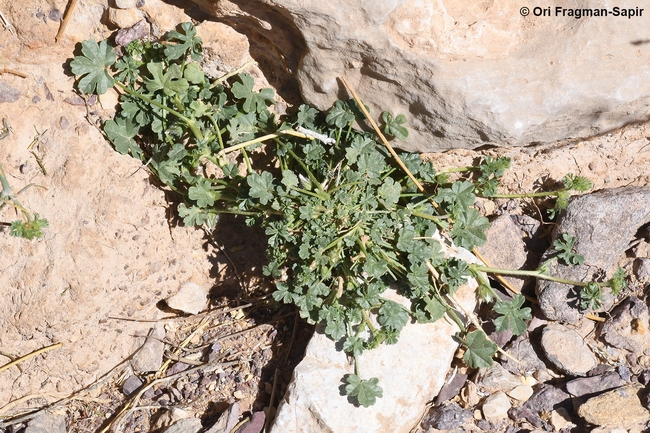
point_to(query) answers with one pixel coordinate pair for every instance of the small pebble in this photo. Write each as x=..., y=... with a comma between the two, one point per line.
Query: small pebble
x=55, y=15
x=521, y=392
x=131, y=384
x=496, y=406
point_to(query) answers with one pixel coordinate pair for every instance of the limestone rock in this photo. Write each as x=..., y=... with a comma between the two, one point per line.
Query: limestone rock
x=125, y=4
x=191, y=298
x=185, y=425
x=642, y=269
x=122, y=18
x=496, y=406
x=604, y=223
x=149, y=357
x=496, y=378
x=465, y=74
x=46, y=422
x=566, y=349
x=521, y=392
x=410, y=372
x=617, y=408
x=505, y=248
x=561, y=419
x=164, y=16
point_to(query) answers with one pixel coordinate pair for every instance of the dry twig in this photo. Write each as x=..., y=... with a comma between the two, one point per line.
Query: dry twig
x=66, y=18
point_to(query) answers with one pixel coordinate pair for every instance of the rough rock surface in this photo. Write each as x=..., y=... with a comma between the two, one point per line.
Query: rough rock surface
x=586, y=386
x=604, y=224
x=627, y=326
x=410, y=372
x=465, y=75
x=505, y=248
x=567, y=350
x=617, y=408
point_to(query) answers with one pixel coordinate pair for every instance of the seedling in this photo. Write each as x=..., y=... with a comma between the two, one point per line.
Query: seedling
x=345, y=216
x=30, y=226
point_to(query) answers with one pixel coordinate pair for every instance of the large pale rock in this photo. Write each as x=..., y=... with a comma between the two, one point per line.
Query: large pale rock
x=410, y=372
x=466, y=74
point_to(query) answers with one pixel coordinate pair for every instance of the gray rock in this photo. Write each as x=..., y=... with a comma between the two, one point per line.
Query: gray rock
x=620, y=408
x=604, y=223
x=496, y=406
x=446, y=417
x=137, y=31
x=46, y=422
x=523, y=351
x=566, y=349
x=587, y=386
x=131, y=384
x=627, y=326
x=191, y=298
x=149, y=357
x=505, y=248
x=642, y=269
x=8, y=93
x=466, y=75
x=546, y=398
x=496, y=378
x=185, y=425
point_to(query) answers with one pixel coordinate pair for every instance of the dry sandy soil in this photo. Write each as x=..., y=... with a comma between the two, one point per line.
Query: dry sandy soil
x=113, y=248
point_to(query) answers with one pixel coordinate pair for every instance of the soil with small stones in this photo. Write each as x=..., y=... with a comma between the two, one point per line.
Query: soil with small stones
x=114, y=251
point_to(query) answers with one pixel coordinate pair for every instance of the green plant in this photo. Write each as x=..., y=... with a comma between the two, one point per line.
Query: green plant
x=30, y=226
x=564, y=246
x=345, y=217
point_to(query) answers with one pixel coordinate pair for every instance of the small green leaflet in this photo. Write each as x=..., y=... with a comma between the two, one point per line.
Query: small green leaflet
x=512, y=316
x=365, y=391
x=201, y=193
x=121, y=132
x=186, y=41
x=340, y=115
x=394, y=126
x=564, y=246
x=307, y=116
x=93, y=66
x=389, y=192
x=479, y=350
x=254, y=102
x=261, y=186
x=170, y=82
x=469, y=229
x=392, y=315
x=193, y=73
x=192, y=216
x=460, y=194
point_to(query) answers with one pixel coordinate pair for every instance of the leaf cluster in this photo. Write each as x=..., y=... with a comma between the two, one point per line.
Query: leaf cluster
x=343, y=221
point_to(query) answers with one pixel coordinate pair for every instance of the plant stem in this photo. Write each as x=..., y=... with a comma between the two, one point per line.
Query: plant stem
x=529, y=195
x=537, y=274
